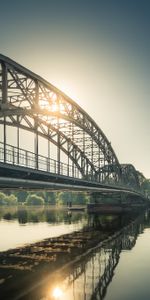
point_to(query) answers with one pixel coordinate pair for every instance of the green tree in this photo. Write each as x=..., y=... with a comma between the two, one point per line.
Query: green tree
x=21, y=196
x=33, y=199
x=11, y=199
x=50, y=198
x=73, y=197
x=64, y=197
x=82, y=198
x=2, y=199
x=7, y=199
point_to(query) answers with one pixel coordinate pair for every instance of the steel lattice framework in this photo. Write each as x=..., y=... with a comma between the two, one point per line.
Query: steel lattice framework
x=29, y=102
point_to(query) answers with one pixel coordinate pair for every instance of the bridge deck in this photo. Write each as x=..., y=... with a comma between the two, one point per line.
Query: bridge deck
x=14, y=177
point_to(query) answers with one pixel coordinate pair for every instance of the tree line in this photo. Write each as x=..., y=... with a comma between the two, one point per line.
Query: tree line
x=43, y=198
x=54, y=198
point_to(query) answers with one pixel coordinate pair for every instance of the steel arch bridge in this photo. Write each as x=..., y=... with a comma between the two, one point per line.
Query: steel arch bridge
x=30, y=103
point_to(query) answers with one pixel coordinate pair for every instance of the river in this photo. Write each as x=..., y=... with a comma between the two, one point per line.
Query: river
x=89, y=269
x=23, y=225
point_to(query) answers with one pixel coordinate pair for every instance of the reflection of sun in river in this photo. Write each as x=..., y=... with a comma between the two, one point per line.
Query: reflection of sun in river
x=57, y=293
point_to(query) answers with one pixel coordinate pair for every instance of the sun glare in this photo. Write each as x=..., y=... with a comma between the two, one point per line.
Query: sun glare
x=68, y=89
x=57, y=293
x=43, y=103
x=54, y=107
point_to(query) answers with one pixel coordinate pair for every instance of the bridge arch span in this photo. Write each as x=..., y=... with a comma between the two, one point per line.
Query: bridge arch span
x=130, y=176
x=29, y=102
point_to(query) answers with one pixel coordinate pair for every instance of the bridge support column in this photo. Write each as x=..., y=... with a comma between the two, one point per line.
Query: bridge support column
x=4, y=138
x=18, y=140
x=36, y=145
x=96, y=197
x=4, y=102
x=58, y=155
x=68, y=171
x=36, y=149
x=48, y=162
x=4, y=84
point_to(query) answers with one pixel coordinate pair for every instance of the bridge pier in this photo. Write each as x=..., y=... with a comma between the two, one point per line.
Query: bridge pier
x=103, y=197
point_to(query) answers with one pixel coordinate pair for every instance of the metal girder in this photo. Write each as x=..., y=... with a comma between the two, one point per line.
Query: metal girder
x=70, y=150
x=130, y=176
x=29, y=102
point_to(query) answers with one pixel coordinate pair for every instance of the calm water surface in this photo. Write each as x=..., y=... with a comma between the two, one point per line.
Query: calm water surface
x=118, y=270
x=23, y=225
x=114, y=270
x=131, y=280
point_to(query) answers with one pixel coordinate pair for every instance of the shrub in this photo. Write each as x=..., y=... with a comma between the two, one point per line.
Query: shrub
x=8, y=199
x=34, y=200
x=11, y=200
x=2, y=198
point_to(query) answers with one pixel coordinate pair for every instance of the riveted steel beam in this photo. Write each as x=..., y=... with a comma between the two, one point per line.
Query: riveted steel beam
x=29, y=102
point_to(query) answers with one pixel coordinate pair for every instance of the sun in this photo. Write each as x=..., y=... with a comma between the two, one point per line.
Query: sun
x=68, y=88
x=43, y=103
x=57, y=293
x=49, y=104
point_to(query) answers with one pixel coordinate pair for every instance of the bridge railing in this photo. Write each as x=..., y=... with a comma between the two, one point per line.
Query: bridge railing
x=20, y=157
x=16, y=156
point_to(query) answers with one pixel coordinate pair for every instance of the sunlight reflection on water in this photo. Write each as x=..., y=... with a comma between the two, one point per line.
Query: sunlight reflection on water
x=27, y=226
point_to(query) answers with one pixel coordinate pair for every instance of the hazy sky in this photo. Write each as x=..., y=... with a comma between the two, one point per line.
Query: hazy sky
x=98, y=52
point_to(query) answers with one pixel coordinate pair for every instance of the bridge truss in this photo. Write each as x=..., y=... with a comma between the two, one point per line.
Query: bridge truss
x=30, y=103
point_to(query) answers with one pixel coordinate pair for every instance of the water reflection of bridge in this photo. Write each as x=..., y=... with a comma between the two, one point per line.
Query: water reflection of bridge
x=81, y=261
x=94, y=270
